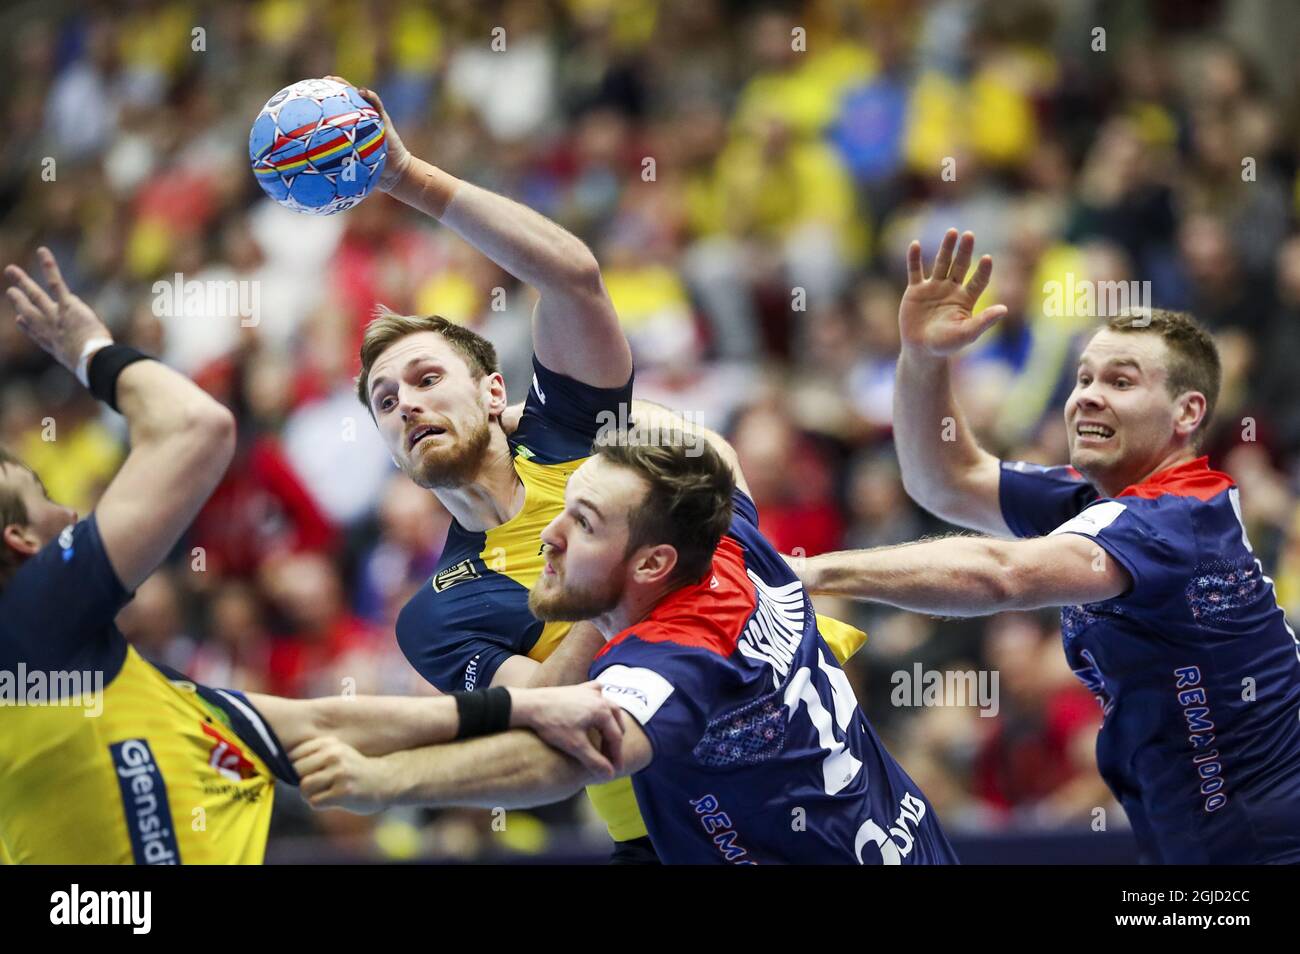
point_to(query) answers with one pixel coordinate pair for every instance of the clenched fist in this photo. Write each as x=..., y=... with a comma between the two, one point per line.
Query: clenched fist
x=333, y=774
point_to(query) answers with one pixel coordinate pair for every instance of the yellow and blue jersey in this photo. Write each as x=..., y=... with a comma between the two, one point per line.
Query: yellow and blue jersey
x=104, y=757
x=473, y=613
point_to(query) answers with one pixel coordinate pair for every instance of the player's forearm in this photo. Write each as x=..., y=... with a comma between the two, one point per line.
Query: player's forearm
x=379, y=725
x=524, y=242
x=375, y=725
x=160, y=404
x=571, y=660
x=511, y=770
x=935, y=446
x=952, y=576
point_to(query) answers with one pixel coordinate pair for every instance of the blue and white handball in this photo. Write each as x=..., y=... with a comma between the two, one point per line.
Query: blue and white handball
x=317, y=147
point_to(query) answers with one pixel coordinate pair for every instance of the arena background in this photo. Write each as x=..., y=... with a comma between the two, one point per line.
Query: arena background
x=749, y=176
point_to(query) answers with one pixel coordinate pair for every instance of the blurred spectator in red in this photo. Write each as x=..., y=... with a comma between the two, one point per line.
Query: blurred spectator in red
x=322, y=648
x=790, y=481
x=236, y=651
x=1045, y=718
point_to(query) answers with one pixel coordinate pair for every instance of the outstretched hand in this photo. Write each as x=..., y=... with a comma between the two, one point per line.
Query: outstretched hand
x=399, y=157
x=61, y=325
x=935, y=314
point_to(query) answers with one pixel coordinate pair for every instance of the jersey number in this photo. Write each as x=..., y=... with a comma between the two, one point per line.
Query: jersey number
x=839, y=767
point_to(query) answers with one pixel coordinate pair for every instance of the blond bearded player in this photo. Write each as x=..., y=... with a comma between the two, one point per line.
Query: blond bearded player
x=107, y=759
x=439, y=401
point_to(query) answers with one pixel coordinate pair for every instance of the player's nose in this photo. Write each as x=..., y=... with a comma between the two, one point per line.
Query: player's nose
x=406, y=404
x=1090, y=397
x=551, y=537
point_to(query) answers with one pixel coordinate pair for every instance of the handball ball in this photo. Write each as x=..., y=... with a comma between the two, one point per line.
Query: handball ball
x=317, y=147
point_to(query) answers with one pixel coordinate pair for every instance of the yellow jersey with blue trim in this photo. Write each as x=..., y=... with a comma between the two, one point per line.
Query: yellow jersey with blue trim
x=106, y=758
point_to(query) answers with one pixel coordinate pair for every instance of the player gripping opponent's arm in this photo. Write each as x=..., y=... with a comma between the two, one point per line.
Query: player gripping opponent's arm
x=575, y=329
x=508, y=770
x=377, y=725
x=182, y=439
x=952, y=478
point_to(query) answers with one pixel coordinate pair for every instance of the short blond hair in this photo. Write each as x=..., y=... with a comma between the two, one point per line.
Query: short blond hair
x=387, y=327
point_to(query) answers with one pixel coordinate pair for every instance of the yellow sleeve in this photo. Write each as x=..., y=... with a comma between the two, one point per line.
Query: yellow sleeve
x=843, y=639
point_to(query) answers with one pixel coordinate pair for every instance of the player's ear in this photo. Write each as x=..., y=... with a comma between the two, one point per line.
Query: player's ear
x=21, y=539
x=1189, y=411
x=494, y=388
x=655, y=564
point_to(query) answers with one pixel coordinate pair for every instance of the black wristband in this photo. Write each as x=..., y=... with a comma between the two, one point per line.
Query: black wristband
x=105, y=366
x=482, y=712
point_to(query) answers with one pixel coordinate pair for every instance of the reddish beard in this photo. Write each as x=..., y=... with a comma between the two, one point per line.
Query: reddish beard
x=454, y=466
x=561, y=602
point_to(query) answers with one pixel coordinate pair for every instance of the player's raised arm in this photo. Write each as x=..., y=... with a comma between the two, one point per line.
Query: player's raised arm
x=182, y=439
x=970, y=576
x=575, y=329
x=943, y=467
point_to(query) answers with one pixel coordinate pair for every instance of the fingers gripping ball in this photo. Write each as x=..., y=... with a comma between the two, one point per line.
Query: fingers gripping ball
x=317, y=147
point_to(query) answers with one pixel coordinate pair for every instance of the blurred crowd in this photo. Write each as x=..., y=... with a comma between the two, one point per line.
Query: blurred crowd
x=749, y=176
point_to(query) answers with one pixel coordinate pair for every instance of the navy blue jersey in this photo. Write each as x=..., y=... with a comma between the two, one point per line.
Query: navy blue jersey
x=761, y=753
x=1195, y=667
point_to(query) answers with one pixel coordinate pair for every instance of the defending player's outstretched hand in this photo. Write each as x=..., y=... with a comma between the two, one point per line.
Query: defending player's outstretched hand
x=61, y=325
x=935, y=314
x=399, y=157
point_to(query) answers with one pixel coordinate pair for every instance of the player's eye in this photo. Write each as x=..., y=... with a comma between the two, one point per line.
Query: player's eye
x=582, y=522
x=1084, y=380
x=386, y=403
x=428, y=379
x=1122, y=382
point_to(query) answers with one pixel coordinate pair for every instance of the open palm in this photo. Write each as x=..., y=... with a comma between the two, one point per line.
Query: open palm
x=935, y=314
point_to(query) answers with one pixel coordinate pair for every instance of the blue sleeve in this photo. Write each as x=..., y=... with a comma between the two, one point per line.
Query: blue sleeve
x=458, y=639
x=663, y=686
x=742, y=508
x=1035, y=500
x=562, y=416
x=57, y=610
x=463, y=663
x=1151, y=539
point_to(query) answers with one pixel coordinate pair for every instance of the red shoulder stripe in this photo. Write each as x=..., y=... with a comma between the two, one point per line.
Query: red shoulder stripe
x=1192, y=479
x=708, y=615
